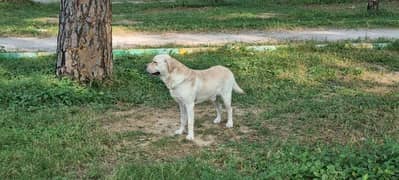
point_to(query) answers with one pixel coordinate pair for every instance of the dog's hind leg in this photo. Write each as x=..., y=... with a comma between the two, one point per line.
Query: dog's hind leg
x=183, y=119
x=226, y=96
x=218, y=108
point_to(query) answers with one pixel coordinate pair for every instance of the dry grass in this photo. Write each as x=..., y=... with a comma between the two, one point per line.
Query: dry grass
x=153, y=130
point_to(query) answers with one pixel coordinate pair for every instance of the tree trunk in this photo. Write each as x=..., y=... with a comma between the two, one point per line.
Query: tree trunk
x=372, y=5
x=84, y=46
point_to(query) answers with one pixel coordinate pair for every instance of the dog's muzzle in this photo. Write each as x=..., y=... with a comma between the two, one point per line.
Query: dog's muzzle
x=156, y=73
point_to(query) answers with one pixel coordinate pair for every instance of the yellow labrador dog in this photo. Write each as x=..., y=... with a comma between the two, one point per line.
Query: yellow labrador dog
x=188, y=87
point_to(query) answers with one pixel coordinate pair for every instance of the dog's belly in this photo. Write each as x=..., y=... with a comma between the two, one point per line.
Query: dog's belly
x=205, y=95
x=200, y=92
x=200, y=99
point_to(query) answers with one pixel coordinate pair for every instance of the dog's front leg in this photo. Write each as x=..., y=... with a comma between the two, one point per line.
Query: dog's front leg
x=190, y=118
x=183, y=119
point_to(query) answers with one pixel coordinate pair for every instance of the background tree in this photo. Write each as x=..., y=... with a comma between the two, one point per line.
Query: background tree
x=372, y=5
x=84, y=44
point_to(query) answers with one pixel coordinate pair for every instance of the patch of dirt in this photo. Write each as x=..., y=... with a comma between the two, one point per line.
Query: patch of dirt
x=175, y=9
x=121, y=30
x=126, y=22
x=373, y=78
x=385, y=78
x=267, y=15
x=283, y=131
x=332, y=7
x=333, y=133
x=205, y=140
x=142, y=1
x=163, y=122
x=298, y=75
x=149, y=132
x=247, y=15
x=48, y=20
x=148, y=120
x=381, y=90
x=379, y=75
x=291, y=126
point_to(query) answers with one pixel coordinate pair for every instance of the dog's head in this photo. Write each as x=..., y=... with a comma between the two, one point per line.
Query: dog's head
x=162, y=65
x=159, y=65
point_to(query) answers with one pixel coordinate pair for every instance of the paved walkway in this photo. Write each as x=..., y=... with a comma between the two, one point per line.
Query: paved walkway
x=132, y=40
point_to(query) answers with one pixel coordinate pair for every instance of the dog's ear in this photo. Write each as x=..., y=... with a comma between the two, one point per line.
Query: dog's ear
x=171, y=64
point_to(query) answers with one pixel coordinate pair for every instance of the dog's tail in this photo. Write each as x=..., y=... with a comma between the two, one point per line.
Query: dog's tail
x=237, y=88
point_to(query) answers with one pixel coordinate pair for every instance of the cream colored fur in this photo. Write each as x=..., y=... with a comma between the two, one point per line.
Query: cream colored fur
x=189, y=87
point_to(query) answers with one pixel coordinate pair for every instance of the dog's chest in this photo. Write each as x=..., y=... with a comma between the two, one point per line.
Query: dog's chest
x=182, y=94
x=176, y=95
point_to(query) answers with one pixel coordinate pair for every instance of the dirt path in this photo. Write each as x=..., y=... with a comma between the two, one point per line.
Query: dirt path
x=132, y=40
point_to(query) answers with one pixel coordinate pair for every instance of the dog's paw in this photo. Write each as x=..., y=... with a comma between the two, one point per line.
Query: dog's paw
x=216, y=121
x=179, y=131
x=229, y=125
x=190, y=137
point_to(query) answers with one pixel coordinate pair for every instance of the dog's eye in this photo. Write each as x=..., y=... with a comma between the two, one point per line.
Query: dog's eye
x=154, y=62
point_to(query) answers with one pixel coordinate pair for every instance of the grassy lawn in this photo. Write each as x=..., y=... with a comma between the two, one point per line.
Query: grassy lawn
x=308, y=113
x=27, y=19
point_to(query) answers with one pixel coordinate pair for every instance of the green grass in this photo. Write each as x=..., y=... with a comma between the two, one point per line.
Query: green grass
x=313, y=113
x=27, y=19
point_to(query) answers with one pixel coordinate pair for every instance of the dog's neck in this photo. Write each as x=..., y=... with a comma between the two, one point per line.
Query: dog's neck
x=176, y=76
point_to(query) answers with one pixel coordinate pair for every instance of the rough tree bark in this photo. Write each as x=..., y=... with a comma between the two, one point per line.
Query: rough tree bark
x=84, y=44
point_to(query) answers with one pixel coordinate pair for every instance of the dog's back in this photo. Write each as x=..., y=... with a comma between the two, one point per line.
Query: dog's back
x=215, y=81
